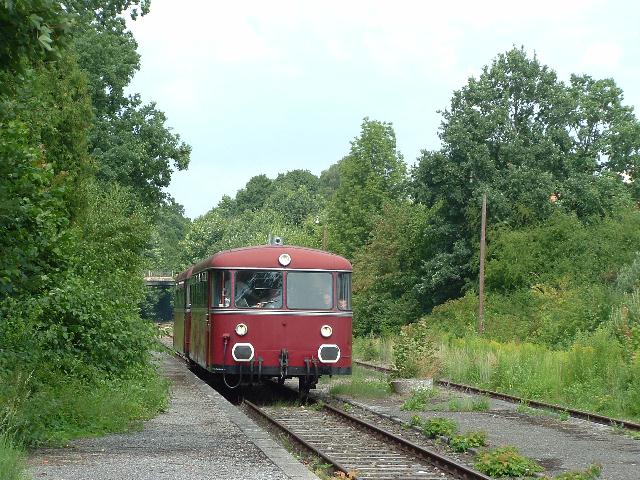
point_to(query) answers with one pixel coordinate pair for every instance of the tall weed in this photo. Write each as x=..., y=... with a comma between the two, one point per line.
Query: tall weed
x=591, y=375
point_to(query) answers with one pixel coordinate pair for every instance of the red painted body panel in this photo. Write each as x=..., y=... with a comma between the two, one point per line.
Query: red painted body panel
x=269, y=334
x=267, y=257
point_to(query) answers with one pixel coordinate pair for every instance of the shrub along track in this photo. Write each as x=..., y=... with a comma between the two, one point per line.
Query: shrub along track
x=356, y=446
x=592, y=417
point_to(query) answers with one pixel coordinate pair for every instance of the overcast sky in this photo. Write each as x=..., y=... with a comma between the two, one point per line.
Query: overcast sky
x=271, y=86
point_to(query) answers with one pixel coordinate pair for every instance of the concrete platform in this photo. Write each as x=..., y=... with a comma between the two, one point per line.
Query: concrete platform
x=201, y=436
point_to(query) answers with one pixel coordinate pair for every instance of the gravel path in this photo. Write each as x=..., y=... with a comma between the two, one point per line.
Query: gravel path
x=558, y=445
x=201, y=436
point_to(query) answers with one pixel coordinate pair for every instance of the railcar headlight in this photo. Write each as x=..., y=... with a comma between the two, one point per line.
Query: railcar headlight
x=241, y=329
x=326, y=331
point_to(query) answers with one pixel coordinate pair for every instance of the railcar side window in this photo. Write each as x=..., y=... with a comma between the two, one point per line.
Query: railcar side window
x=221, y=285
x=179, y=299
x=258, y=289
x=310, y=290
x=344, y=291
x=198, y=290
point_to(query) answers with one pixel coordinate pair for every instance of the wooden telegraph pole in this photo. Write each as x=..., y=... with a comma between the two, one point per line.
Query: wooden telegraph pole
x=483, y=233
x=324, y=239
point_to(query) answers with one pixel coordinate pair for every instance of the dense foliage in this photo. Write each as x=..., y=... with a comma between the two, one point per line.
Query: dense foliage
x=76, y=217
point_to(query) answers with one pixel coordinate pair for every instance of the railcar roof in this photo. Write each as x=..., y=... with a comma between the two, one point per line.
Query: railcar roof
x=266, y=256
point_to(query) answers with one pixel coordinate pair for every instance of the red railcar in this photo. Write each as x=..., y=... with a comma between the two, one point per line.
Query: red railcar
x=268, y=311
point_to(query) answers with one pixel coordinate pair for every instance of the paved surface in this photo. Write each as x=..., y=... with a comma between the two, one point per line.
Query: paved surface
x=557, y=445
x=201, y=436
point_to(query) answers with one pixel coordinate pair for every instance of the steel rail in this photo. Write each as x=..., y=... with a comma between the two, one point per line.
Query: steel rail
x=590, y=416
x=299, y=439
x=431, y=456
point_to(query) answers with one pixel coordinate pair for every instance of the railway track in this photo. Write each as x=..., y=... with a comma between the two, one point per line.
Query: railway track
x=590, y=416
x=358, y=448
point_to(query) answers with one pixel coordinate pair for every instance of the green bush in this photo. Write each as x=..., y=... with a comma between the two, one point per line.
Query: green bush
x=414, y=353
x=68, y=407
x=465, y=441
x=562, y=246
x=506, y=462
x=439, y=426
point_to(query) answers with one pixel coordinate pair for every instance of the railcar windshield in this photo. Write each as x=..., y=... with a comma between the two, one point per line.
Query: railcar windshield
x=344, y=291
x=258, y=289
x=310, y=290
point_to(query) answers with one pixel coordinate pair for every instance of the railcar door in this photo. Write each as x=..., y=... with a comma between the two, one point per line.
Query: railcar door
x=179, y=317
x=187, y=318
x=220, y=293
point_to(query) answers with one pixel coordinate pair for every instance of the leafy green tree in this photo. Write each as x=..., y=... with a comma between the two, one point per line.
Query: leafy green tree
x=330, y=180
x=171, y=226
x=254, y=195
x=31, y=30
x=135, y=148
x=131, y=143
x=533, y=145
x=214, y=232
x=372, y=175
x=295, y=205
x=387, y=269
x=294, y=179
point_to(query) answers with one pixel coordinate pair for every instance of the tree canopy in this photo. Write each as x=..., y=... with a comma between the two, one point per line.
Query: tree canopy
x=533, y=144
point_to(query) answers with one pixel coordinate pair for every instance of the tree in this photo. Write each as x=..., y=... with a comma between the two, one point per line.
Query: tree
x=130, y=142
x=254, y=194
x=534, y=145
x=330, y=180
x=387, y=270
x=135, y=148
x=371, y=175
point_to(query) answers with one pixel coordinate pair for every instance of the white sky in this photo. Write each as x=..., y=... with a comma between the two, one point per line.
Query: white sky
x=270, y=86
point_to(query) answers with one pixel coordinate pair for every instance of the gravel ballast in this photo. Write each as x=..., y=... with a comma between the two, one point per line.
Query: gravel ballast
x=559, y=446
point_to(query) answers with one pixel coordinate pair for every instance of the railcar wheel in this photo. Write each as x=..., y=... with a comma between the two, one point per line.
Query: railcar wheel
x=303, y=387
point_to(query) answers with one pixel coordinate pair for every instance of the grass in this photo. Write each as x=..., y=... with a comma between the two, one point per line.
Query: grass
x=539, y=412
x=37, y=411
x=592, y=375
x=363, y=383
x=374, y=349
x=12, y=460
x=468, y=404
x=419, y=399
x=60, y=412
x=590, y=473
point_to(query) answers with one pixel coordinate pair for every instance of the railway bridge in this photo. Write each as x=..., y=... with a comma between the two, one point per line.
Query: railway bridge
x=159, y=279
x=158, y=306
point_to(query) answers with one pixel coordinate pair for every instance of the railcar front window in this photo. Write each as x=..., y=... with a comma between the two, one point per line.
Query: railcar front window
x=344, y=291
x=258, y=289
x=310, y=290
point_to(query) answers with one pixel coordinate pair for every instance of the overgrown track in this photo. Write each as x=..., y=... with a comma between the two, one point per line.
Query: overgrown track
x=359, y=448
x=592, y=417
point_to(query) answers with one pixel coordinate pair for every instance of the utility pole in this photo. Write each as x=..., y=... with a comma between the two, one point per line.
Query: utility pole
x=483, y=234
x=324, y=238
